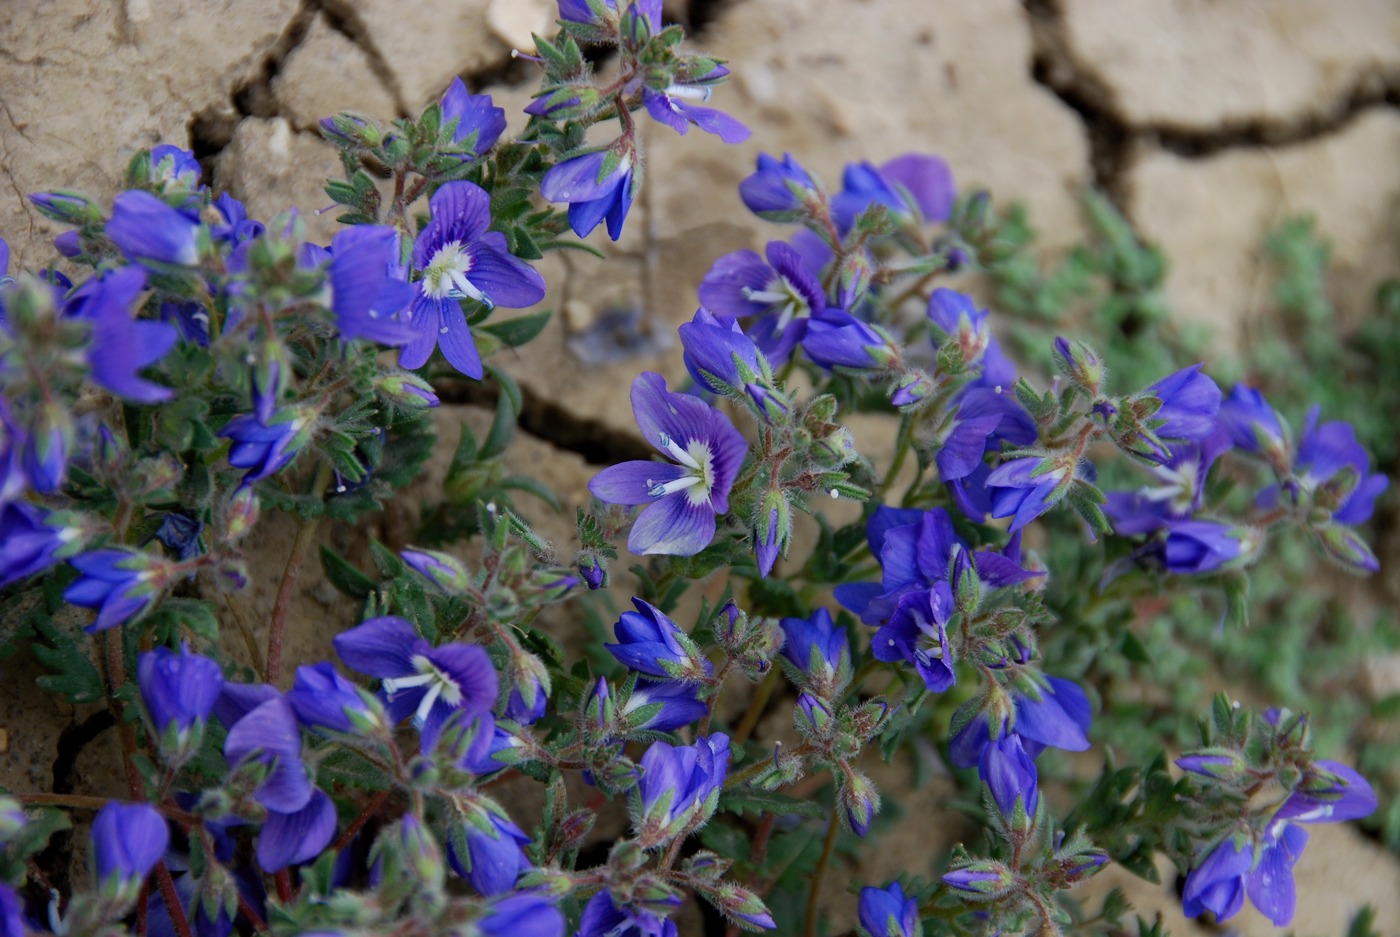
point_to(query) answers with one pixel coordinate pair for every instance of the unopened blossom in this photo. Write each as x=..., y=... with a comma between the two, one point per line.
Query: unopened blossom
x=684, y=496
x=887, y=912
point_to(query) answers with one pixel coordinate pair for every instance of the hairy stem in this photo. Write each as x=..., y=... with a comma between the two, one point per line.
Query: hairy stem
x=172, y=901
x=306, y=535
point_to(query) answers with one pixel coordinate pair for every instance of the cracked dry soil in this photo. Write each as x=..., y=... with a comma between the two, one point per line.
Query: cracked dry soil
x=1206, y=121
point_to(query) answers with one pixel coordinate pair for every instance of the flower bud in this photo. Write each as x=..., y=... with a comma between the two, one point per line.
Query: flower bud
x=67, y=206
x=591, y=569
x=350, y=129
x=127, y=842
x=981, y=879
x=814, y=720
x=445, y=571
x=911, y=389
x=406, y=390
x=240, y=514
x=835, y=449
x=858, y=799
x=1220, y=763
x=773, y=530
x=740, y=905
x=771, y=404
x=1080, y=365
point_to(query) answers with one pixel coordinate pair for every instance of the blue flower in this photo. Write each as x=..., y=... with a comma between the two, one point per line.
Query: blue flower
x=680, y=786
x=171, y=163
x=916, y=549
x=909, y=186
x=368, y=290
x=323, y=699
x=460, y=259
x=819, y=651
x=1009, y=772
x=144, y=228
x=1217, y=884
x=288, y=839
x=127, y=842
x=596, y=186
x=1058, y=718
x=1025, y=488
x=886, y=912
x=31, y=541
x=264, y=448
x=783, y=293
x=685, y=496
x=662, y=706
x=522, y=914
x=237, y=226
x=479, y=122
x=778, y=189
x=837, y=339
x=603, y=917
x=495, y=855
x=122, y=345
x=178, y=689
x=917, y=634
x=119, y=583
x=651, y=643
x=672, y=107
x=1324, y=452
x=429, y=683
x=718, y=355
x=269, y=734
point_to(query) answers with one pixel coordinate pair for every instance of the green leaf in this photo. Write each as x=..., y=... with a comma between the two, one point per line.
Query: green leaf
x=344, y=576
x=519, y=330
x=72, y=673
x=751, y=800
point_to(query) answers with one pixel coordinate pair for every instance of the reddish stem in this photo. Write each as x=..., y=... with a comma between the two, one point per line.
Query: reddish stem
x=172, y=901
x=251, y=916
x=371, y=808
x=306, y=535
x=283, y=880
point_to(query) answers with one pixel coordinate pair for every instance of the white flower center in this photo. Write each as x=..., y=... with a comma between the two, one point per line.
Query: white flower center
x=780, y=296
x=439, y=684
x=446, y=275
x=699, y=478
x=1178, y=486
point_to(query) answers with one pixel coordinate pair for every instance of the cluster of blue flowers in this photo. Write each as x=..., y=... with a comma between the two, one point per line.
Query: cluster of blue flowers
x=212, y=366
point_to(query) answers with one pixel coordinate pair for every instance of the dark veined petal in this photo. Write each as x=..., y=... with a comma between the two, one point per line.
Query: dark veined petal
x=673, y=526
x=631, y=482
x=290, y=838
x=381, y=647
x=461, y=212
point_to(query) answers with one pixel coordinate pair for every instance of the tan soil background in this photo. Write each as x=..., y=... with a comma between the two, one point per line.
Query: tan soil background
x=1208, y=121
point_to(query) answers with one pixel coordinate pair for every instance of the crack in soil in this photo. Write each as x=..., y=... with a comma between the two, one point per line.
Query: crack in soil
x=344, y=19
x=1113, y=140
x=594, y=441
x=56, y=860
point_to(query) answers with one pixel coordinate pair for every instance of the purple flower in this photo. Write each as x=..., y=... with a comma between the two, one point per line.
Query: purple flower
x=323, y=699
x=685, y=496
x=680, y=786
x=916, y=633
x=1025, y=488
x=31, y=541
x=886, y=912
x=145, y=228
x=602, y=917
x=651, y=643
x=479, y=122
x=1190, y=403
x=672, y=107
x=908, y=185
x=718, y=355
x=782, y=293
x=127, y=842
x=1324, y=452
x=1058, y=719
x=495, y=854
x=596, y=186
x=837, y=339
x=983, y=421
x=178, y=689
x=237, y=226
x=264, y=448
x=662, y=706
x=120, y=584
x=1254, y=426
x=819, y=651
x=778, y=189
x=11, y=913
x=288, y=839
x=171, y=163
x=460, y=259
x=1218, y=883
x=122, y=345
x=429, y=683
x=367, y=286
x=1329, y=792
x=522, y=914
x=1009, y=772
x=269, y=734
x=916, y=549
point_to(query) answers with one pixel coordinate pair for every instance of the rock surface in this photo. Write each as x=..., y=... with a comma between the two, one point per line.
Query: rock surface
x=1201, y=64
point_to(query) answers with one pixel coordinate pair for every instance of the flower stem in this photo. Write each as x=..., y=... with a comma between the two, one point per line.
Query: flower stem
x=906, y=439
x=116, y=679
x=370, y=810
x=756, y=707
x=306, y=535
x=824, y=860
x=172, y=901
